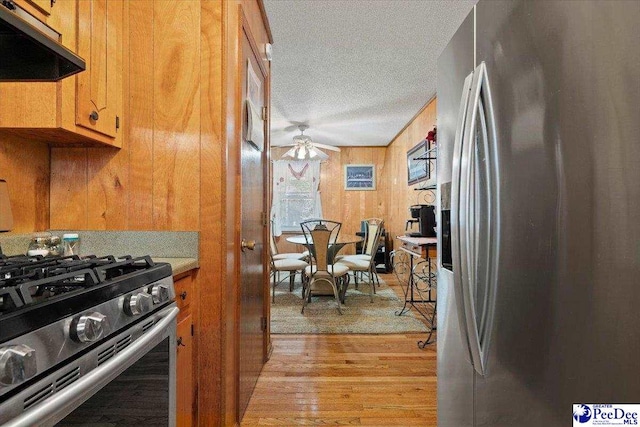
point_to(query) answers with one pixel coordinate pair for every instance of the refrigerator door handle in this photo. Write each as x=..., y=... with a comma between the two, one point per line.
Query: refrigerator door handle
x=465, y=219
x=456, y=253
x=479, y=179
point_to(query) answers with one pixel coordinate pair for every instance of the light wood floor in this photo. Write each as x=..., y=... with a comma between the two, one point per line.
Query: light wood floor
x=368, y=380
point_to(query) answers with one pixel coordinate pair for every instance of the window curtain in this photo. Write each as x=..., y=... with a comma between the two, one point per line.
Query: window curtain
x=295, y=194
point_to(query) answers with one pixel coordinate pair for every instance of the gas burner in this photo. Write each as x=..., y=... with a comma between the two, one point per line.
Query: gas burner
x=28, y=280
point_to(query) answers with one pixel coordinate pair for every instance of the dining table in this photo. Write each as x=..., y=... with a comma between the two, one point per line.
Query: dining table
x=343, y=239
x=334, y=248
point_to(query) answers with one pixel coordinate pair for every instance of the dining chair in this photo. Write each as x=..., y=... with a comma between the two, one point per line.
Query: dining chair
x=371, y=227
x=365, y=263
x=333, y=226
x=319, y=234
x=291, y=266
x=286, y=255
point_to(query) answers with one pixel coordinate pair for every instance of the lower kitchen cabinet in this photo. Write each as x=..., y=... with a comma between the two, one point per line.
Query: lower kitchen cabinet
x=185, y=380
x=184, y=373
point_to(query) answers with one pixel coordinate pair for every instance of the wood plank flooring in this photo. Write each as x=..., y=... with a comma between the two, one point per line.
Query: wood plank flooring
x=366, y=380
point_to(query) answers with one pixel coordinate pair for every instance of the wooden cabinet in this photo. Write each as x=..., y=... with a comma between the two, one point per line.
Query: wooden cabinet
x=185, y=384
x=39, y=9
x=184, y=293
x=184, y=373
x=99, y=43
x=85, y=108
x=43, y=5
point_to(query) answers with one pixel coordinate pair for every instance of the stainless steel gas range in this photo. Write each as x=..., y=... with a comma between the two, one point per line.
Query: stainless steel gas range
x=87, y=341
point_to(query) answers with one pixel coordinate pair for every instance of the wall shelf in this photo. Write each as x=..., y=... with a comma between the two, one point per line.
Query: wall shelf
x=426, y=188
x=427, y=154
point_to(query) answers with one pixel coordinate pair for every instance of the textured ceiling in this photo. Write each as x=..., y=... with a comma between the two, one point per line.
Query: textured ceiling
x=355, y=71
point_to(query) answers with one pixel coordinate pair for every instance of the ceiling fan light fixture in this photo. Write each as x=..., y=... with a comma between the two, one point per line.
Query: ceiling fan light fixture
x=302, y=139
x=305, y=149
x=291, y=153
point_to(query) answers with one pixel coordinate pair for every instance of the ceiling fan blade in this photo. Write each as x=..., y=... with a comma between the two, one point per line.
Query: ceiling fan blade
x=327, y=147
x=290, y=154
x=316, y=154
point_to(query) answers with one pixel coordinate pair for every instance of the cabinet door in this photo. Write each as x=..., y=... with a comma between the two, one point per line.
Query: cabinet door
x=39, y=9
x=184, y=374
x=43, y=6
x=184, y=294
x=100, y=44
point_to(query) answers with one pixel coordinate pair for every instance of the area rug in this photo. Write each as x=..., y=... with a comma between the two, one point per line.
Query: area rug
x=360, y=315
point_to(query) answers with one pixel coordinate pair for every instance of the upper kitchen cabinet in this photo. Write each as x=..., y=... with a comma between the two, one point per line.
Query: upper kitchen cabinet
x=82, y=109
x=99, y=91
x=43, y=5
x=40, y=9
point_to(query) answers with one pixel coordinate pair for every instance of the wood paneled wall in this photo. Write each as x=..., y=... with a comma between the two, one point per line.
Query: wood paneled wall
x=348, y=207
x=211, y=283
x=24, y=165
x=399, y=196
x=153, y=181
x=352, y=206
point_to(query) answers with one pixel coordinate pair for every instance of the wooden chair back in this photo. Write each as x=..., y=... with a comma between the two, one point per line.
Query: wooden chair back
x=272, y=241
x=374, y=227
x=333, y=226
x=320, y=234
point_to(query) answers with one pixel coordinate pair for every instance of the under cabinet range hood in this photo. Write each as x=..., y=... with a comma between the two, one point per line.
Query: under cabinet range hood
x=30, y=51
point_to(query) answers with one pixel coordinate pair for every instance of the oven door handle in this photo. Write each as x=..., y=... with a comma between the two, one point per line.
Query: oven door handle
x=58, y=406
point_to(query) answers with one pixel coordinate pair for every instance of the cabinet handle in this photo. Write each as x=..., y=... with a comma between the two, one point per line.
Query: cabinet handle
x=94, y=116
x=9, y=4
x=183, y=295
x=179, y=342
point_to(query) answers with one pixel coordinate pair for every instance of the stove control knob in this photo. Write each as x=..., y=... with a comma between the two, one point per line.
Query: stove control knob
x=89, y=327
x=17, y=364
x=138, y=303
x=160, y=293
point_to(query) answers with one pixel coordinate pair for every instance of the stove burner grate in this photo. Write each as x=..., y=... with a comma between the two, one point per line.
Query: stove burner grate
x=31, y=280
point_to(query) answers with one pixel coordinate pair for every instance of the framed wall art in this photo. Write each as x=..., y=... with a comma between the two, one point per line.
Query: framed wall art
x=359, y=177
x=417, y=164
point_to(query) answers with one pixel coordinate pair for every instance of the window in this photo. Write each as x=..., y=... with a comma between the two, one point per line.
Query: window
x=295, y=193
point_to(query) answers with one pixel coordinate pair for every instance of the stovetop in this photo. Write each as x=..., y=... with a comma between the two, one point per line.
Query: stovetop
x=36, y=290
x=55, y=310
x=26, y=280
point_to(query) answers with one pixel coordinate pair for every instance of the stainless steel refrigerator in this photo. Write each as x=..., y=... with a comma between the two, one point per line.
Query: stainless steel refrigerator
x=539, y=215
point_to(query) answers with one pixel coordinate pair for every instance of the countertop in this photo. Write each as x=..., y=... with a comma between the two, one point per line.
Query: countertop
x=418, y=240
x=180, y=249
x=179, y=265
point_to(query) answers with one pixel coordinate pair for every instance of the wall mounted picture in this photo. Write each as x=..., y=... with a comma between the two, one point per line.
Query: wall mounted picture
x=359, y=177
x=254, y=85
x=254, y=125
x=417, y=163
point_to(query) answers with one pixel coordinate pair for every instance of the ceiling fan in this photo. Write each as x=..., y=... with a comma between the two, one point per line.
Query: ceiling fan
x=305, y=149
